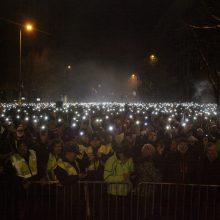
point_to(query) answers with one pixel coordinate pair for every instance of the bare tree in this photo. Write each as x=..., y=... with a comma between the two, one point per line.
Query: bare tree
x=209, y=59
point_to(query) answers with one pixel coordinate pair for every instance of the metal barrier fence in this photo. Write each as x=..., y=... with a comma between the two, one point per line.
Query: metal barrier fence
x=100, y=200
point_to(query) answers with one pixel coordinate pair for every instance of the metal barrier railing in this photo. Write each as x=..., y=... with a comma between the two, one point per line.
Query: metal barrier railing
x=101, y=200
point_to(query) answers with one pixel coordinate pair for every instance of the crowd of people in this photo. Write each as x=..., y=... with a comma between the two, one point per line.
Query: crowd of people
x=173, y=143
x=120, y=145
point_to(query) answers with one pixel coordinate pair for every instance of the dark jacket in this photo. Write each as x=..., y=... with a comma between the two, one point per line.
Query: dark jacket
x=180, y=168
x=209, y=172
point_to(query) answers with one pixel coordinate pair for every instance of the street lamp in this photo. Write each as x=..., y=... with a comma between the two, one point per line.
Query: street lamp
x=28, y=28
x=153, y=58
x=133, y=76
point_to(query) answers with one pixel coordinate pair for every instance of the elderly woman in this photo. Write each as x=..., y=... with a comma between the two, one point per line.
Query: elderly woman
x=146, y=170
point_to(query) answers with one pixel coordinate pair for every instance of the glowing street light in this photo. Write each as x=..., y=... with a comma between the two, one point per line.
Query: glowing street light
x=153, y=59
x=133, y=76
x=28, y=28
x=69, y=67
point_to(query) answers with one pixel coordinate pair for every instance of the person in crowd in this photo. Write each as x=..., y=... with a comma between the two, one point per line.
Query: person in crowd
x=43, y=151
x=68, y=174
x=139, y=142
x=146, y=169
x=118, y=174
x=152, y=137
x=105, y=150
x=209, y=166
x=119, y=168
x=54, y=157
x=9, y=145
x=180, y=165
x=159, y=157
x=22, y=166
x=119, y=134
x=21, y=170
x=68, y=170
x=95, y=167
x=173, y=145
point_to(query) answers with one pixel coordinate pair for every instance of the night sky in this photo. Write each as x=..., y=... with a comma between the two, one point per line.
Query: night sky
x=108, y=39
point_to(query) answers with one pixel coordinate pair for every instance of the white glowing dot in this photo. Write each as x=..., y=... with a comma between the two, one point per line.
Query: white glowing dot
x=168, y=127
x=110, y=128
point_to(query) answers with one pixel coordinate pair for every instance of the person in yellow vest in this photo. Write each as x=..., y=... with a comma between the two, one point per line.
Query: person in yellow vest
x=68, y=173
x=22, y=166
x=24, y=161
x=22, y=173
x=105, y=150
x=95, y=167
x=68, y=170
x=118, y=172
x=119, y=168
x=54, y=158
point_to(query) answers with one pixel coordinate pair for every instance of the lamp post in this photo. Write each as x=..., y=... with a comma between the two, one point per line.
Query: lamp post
x=29, y=28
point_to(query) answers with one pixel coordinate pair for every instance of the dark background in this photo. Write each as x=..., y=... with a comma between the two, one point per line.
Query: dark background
x=105, y=42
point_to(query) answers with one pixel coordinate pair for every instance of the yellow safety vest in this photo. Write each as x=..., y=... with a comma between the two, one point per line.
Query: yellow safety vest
x=68, y=167
x=22, y=168
x=93, y=164
x=114, y=170
x=105, y=149
x=51, y=165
